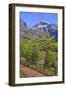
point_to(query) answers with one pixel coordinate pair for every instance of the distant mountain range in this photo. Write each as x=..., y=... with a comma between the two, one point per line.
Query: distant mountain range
x=41, y=28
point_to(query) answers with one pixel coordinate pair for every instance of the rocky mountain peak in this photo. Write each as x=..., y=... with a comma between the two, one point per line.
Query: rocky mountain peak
x=40, y=27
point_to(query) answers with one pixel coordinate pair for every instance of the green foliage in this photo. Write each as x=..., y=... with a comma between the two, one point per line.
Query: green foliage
x=22, y=60
x=51, y=57
x=42, y=55
x=34, y=56
x=33, y=50
x=53, y=46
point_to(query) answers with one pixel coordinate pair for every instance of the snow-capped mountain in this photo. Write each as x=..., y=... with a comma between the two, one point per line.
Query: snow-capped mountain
x=44, y=26
x=36, y=30
x=41, y=26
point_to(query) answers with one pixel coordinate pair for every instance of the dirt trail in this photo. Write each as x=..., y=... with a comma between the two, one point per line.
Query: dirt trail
x=30, y=72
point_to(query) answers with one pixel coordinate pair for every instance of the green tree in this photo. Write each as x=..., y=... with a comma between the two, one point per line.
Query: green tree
x=51, y=60
x=26, y=50
x=34, y=56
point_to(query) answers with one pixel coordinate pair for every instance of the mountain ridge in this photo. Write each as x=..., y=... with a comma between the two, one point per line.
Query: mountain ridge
x=40, y=27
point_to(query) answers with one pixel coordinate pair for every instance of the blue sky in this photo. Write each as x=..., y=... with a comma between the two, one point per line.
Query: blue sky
x=32, y=18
